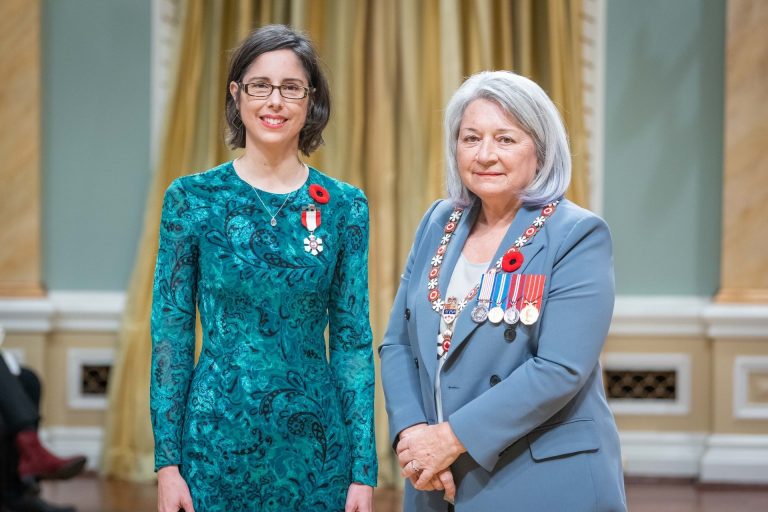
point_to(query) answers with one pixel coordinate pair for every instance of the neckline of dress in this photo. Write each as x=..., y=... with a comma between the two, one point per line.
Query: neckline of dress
x=238, y=178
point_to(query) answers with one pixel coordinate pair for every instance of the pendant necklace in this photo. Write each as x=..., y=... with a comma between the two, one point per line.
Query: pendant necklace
x=273, y=220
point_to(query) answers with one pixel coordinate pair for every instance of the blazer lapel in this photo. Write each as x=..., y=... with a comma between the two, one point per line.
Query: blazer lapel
x=465, y=326
x=429, y=324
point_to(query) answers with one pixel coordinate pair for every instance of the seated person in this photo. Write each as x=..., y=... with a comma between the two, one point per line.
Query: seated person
x=23, y=459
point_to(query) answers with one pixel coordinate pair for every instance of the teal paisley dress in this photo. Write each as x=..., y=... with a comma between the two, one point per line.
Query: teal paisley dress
x=267, y=420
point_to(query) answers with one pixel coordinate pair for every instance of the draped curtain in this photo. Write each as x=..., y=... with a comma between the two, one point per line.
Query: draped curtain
x=392, y=65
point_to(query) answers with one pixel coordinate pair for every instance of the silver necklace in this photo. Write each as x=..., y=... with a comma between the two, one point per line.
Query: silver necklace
x=273, y=220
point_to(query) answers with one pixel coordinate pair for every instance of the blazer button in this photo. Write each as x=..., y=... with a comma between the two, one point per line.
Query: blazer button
x=495, y=379
x=510, y=334
x=407, y=314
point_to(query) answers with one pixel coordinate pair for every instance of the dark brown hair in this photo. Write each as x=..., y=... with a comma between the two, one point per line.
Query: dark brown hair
x=268, y=39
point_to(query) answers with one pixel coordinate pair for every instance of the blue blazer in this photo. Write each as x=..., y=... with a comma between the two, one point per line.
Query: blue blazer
x=531, y=412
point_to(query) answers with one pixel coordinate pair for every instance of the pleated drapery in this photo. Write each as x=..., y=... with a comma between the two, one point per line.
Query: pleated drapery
x=392, y=65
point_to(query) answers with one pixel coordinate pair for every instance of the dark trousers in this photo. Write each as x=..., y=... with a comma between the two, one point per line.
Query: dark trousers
x=19, y=410
x=19, y=399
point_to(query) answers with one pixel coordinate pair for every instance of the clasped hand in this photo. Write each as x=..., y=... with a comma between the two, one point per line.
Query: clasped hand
x=425, y=453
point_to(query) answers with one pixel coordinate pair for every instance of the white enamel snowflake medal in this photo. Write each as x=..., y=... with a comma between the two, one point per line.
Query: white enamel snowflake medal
x=313, y=245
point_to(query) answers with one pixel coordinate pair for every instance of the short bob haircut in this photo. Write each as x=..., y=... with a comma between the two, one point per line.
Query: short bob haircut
x=268, y=39
x=527, y=103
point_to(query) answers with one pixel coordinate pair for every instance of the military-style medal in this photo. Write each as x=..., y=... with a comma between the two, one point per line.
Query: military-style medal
x=534, y=289
x=310, y=219
x=480, y=312
x=512, y=314
x=500, y=288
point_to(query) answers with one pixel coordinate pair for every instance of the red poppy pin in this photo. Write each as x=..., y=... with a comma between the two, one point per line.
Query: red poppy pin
x=319, y=194
x=511, y=261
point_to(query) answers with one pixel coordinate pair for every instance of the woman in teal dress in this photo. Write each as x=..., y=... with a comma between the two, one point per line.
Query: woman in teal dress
x=270, y=252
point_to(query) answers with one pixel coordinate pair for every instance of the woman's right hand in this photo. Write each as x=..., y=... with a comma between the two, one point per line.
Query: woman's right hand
x=172, y=491
x=443, y=481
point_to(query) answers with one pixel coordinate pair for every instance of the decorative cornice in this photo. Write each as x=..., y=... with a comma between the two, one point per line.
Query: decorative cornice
x=87, y=311
x=667, y=315
x=736, y=320
x=652, y=315
x=26, y=315
x=658, y=315
x=63, y=311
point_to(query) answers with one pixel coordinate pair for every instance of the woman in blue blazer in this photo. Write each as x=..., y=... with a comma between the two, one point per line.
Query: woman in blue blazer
x=490, y=362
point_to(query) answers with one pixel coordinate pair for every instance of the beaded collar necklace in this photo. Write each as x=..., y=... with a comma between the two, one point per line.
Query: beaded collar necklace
x=433, y=292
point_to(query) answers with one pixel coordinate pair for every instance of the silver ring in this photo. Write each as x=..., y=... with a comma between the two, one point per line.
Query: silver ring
x=414, y=468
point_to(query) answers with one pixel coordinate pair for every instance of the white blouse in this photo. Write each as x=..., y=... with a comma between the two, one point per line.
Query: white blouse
x=466, y=275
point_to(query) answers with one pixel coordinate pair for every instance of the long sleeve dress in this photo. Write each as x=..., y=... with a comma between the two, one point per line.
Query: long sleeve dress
x=266, y=420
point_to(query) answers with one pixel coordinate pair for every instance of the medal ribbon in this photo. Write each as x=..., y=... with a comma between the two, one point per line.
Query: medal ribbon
x=514, y=290
x=520, y=299
x=500, y=289
x=534, y=287
x=311, y=219
x=486, y=286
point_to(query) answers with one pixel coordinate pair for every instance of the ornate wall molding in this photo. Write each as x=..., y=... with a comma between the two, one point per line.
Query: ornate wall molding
x=664, y=316
x=67, y=311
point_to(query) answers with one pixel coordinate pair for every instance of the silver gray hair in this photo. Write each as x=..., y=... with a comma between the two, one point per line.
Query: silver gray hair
x=527, y=103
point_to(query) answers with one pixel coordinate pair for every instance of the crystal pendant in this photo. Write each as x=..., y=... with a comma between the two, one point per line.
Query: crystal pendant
x=273, y=222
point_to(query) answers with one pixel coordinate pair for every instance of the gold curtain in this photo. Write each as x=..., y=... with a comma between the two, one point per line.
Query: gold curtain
x=392, y=65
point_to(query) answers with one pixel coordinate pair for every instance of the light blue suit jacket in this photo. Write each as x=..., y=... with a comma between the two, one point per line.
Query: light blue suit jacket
x=531, y=412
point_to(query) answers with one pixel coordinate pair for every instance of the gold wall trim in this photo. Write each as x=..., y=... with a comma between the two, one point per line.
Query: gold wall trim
x=20, y=272
x=744, y=267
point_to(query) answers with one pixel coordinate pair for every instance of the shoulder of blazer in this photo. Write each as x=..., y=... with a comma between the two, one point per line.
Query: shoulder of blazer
x=439, y=211
x=569, y=213
x=438, y=214
x=572, y=223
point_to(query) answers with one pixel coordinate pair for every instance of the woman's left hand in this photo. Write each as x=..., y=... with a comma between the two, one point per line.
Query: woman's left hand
x=359, y=498
x=427, y=451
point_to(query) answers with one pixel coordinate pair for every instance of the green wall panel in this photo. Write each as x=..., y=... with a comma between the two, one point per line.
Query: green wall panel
x=663, y=144
x=95, y=109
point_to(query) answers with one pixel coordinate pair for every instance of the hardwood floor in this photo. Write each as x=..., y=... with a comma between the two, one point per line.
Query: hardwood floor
x=92, y=494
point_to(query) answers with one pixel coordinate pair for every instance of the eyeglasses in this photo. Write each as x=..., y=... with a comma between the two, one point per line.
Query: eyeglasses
x=264, y=90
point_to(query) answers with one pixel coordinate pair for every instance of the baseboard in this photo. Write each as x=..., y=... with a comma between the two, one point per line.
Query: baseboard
x=662, y=454
x=732, y=458
x=736, y=459
x=711, y=458
x=68, y=441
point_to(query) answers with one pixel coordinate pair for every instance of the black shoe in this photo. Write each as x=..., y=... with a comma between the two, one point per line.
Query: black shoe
x=34, y=504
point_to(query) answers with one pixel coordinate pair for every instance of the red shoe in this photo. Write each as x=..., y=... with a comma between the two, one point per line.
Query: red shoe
x=35, y=461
